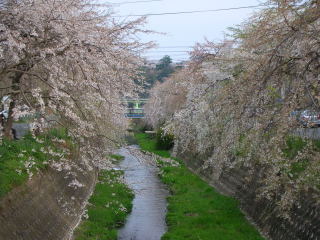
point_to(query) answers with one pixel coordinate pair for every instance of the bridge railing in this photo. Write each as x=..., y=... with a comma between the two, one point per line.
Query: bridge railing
x=135, y=113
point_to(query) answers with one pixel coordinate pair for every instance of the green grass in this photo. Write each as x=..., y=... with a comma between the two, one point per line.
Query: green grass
x=20, y=158
x=149, y=144
x=195, y=209
x=109, y=205
x=294, y=145
x=116, y=158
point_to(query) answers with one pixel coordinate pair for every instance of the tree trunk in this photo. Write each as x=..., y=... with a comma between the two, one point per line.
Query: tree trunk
x=7, y=127
x=9, y=121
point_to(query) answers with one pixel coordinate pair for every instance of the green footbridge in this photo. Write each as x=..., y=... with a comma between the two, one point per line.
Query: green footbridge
x=135, y=108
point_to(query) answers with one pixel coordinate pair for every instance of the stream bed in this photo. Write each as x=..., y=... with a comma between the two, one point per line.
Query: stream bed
x=147, y=219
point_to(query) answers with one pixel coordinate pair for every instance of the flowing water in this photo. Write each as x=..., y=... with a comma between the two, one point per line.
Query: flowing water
x=147, y=219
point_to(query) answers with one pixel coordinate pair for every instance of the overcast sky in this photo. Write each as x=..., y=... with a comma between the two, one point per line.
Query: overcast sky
x=183, y=30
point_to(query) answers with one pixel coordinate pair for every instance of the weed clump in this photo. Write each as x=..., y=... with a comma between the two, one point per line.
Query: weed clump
x=164, y=140
x=109, y=205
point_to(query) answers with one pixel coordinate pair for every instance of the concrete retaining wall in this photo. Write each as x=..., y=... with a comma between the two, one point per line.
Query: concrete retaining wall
x=310, y=133
x=47, y=207
x=304, y=222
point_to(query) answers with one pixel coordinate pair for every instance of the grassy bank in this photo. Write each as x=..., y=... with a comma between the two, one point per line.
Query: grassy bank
x=196, y=210
x=21, y=159
x=108, y=207
x=149, y=144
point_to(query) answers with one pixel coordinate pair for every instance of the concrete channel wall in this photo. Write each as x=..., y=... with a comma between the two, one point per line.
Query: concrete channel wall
x=304, y=221
x=48, y=206
x=310, y=133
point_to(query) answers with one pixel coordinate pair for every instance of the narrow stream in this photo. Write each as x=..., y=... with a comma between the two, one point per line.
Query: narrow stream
x=147, y=219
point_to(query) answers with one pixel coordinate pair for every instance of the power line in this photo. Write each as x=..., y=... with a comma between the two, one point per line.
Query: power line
x=172, y=57
x=175, y=47
x=156, y=54
x=195, y=11
x=169, y=51
x=131, y=2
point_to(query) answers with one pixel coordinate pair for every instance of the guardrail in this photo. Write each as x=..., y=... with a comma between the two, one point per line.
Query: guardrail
x=134, y=115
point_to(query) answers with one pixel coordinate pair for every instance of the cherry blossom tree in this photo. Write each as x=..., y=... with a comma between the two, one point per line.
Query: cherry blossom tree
x=69, y=63
x=241, y=95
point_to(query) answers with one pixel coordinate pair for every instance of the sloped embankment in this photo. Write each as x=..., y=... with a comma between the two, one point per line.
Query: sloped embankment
x=303, y=222
x=48, y=206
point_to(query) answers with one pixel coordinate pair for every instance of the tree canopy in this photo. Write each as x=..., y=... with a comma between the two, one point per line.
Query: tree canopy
x=164, y=68
x=70, y=64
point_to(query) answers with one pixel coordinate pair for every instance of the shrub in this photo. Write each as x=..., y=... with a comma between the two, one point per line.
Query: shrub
x=164, y=141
